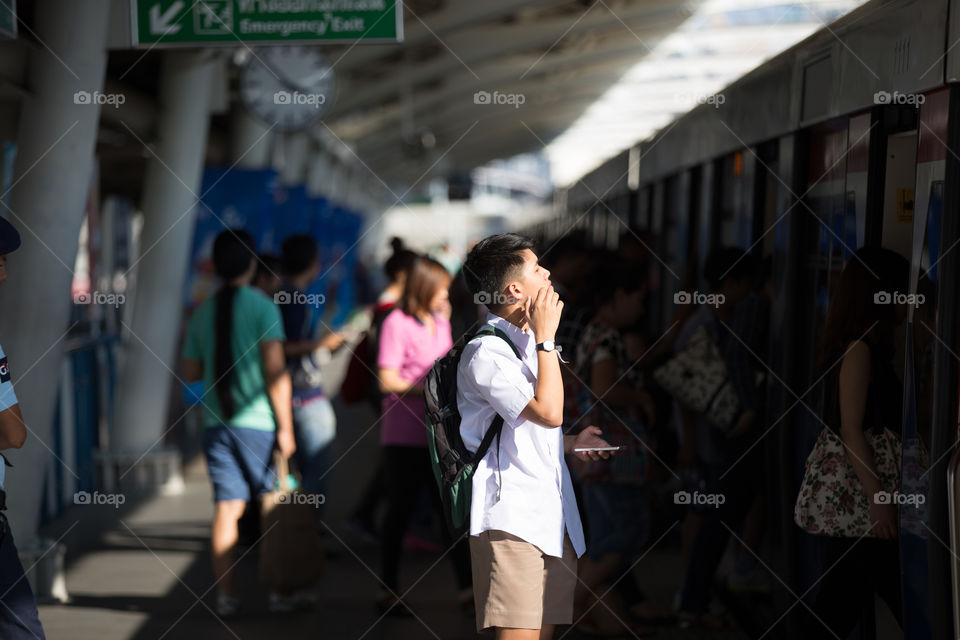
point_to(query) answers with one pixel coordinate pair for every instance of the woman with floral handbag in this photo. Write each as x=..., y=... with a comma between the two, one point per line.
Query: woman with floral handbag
x=852, y=475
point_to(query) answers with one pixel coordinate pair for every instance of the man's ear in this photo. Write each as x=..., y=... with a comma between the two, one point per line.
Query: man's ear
x=514, y=291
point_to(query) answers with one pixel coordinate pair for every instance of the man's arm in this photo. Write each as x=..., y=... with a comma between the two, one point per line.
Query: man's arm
x=543, y=316
x=589, y=438
x=13, y=432
x=546, y=406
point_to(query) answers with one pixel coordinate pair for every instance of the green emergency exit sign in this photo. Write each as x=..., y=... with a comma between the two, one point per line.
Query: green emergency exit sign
x=232, y=22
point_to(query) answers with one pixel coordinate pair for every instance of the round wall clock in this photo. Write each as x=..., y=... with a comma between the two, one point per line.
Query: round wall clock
x=287, y=87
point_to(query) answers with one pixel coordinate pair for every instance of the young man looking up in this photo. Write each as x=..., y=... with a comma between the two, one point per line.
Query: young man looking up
x=525, y=531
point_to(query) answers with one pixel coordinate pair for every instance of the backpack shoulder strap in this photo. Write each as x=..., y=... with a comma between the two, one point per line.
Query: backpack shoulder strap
x=490, y=330
x=492, y=431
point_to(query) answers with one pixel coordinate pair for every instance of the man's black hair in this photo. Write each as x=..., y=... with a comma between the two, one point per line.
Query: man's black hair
x=492, y=263
x=298, y=253
x=727, y=263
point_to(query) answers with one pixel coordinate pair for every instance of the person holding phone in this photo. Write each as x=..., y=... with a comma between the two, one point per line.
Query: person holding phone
x=525, y=530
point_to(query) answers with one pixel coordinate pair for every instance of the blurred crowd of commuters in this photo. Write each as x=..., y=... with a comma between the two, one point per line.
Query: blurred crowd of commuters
x=261, y=359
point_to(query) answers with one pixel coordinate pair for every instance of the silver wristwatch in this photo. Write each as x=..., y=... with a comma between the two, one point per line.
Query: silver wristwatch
x=550, y=345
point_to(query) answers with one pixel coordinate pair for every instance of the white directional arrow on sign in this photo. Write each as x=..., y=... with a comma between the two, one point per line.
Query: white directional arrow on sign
x=160, y=22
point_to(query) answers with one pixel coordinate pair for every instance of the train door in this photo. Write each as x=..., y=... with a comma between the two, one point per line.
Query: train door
x=674, y=244
x=859, y=192
x=735, y=199
x=655, y=310
x=922, y=337
x=703, y=239
x=894, y=229
x=827, y=237
x=766, y=189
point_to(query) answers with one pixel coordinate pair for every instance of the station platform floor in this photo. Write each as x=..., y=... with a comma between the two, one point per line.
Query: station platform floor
x=143, y=572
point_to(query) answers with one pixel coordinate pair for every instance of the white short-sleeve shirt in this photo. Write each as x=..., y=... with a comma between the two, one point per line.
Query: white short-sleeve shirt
x=524, y=487
x=7, y=399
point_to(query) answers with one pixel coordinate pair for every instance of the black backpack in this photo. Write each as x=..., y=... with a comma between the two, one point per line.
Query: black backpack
x=453, y=464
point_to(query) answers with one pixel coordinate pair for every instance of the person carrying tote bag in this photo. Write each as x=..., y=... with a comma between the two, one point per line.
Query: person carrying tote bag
x=849, y=490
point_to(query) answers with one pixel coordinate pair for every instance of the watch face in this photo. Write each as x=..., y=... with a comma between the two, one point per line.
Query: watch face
x=547, y=345
x=287, y=87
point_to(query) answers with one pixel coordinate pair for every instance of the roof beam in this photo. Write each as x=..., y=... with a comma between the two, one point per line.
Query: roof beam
x=613, y=54
x=569, y=98
x=421, y=29
x=485, y=43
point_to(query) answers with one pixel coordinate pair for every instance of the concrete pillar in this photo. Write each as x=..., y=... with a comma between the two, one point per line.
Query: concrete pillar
x=295, y=154
x=318, y=174
x=171, y=187
x=337, y=182
x=251, y=140
x=54, y=162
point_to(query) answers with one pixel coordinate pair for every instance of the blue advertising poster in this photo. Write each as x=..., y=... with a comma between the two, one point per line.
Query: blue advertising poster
x=337, y=230
x=253, y=200
x=293, y=212
x=231, y=198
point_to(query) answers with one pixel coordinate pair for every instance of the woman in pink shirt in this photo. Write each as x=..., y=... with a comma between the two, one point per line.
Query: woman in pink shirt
x=412, y=337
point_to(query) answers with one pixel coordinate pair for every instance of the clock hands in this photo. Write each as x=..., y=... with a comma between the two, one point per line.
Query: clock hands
x=310, y=80
x=303, y=75
x=305, y=85
x=282, y=77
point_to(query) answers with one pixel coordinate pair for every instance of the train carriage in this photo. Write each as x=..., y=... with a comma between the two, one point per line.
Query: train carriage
x=850, y=138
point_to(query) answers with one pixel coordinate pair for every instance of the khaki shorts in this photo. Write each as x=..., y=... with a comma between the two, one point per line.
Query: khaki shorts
x=515, y=585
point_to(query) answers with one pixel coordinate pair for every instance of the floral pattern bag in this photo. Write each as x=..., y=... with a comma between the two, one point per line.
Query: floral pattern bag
x=696, y=377
x=831, y=501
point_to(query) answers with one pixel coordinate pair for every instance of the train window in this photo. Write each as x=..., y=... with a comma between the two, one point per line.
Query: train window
x=920, y=344
x=734, y=200
x=900, y=179
x=931, y=238
x=827, y=221
x=924, y=312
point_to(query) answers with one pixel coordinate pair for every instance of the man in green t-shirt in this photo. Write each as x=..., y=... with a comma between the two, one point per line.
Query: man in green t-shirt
x=234, y=343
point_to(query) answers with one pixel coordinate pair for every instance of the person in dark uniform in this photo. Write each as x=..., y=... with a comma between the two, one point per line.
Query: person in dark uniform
x=18, y=608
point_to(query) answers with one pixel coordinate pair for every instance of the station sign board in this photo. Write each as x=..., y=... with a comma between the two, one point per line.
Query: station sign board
x=161, y=23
